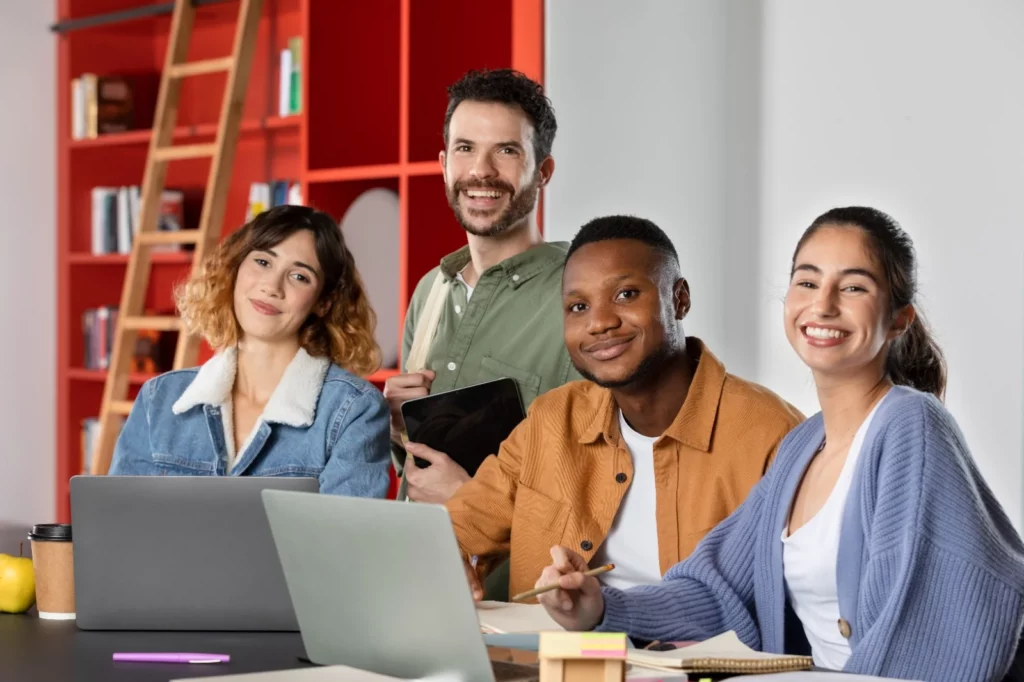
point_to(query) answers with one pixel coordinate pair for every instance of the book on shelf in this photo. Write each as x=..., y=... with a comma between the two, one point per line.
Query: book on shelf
x=153, y=353
x=171, y=217
x=98, y=325
x=101, y=105
x=264, y=196
x=289, y=93
x=115, y=218
x=284, y=84
x=89, y=434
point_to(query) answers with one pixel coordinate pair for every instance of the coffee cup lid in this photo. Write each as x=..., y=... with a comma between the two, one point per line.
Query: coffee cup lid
x=53, y=532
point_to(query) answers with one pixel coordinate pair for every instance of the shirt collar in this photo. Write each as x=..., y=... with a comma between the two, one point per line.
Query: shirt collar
x=695, y=421
x=293, y=401
x=517, y=269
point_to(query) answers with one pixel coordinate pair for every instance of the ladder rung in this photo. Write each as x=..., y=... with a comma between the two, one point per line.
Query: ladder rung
x=200, y=68
x=156, y=237
x=163, y=323
x=185, y=151
x=121, y=407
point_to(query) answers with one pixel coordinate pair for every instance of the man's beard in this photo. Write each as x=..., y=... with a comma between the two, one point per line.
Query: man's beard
x=520, y=205
x=648, y=368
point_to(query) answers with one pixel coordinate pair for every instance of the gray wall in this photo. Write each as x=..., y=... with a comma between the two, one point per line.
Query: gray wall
x=28, y=267
x=733, y=123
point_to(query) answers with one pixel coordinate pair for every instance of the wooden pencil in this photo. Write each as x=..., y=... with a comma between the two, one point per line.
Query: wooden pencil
x=554, y=586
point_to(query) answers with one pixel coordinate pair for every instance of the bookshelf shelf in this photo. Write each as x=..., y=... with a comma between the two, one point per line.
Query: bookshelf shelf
x=170, y=258
x=100, y=375
x=127, y=16
x=137, y=137
x=421, y=168
x=387, y=170
x=373, y=78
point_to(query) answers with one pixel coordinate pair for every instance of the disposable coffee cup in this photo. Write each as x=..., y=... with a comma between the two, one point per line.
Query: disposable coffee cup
x=54, y=567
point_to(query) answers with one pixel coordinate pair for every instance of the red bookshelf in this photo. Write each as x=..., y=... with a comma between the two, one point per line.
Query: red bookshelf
x=186, y=134
x=122, y=259
x=373, y=82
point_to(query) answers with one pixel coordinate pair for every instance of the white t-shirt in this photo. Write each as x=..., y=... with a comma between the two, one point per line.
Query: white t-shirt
x=632, y=542
x=469, y=289
x=809, y=564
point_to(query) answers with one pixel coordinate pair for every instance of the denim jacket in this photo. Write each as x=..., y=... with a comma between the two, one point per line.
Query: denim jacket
x=320, y=421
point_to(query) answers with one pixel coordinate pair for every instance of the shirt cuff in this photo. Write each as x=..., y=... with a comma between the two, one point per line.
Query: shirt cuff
x=616, y=611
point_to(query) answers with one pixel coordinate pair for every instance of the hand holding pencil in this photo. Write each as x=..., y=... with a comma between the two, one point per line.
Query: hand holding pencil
x=570, y=591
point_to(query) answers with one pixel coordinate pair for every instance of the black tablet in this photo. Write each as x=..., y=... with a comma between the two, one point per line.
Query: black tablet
x=467, y=424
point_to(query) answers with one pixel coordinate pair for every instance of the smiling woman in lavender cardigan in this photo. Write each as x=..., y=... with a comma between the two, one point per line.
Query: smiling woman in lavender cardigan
x=873, y=543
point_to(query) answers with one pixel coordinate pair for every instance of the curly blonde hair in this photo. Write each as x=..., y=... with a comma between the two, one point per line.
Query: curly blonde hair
x=344, y=334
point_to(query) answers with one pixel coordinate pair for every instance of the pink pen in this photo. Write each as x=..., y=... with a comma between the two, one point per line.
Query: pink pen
x=171, y=658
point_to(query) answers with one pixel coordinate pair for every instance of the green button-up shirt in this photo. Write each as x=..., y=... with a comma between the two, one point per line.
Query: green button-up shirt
x=511, y=325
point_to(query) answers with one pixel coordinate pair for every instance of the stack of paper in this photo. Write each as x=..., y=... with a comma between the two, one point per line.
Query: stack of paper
x=722, y=654
x=501, y=618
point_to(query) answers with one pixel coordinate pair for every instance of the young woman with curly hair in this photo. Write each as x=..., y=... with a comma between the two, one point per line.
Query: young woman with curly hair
x=283, y=306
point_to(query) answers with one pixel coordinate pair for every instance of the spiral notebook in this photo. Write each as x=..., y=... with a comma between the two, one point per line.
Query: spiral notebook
x=722, y=654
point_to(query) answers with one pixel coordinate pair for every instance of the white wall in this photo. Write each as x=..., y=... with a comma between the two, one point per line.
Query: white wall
x=639, y=93
x=28, y=265
x=909, y=106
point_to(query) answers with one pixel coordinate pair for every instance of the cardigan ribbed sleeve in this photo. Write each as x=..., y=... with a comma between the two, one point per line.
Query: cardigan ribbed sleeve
x=930, y=571
x=942, y=592
x=710, y=592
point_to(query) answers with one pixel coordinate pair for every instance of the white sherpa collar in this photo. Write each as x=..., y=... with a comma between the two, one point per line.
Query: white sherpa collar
x=293, y=402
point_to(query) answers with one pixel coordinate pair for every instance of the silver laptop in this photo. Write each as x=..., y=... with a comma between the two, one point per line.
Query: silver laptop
x=379, y=585
x=178, y=553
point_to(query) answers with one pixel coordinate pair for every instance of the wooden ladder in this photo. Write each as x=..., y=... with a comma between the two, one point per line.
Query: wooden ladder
x=130, y=319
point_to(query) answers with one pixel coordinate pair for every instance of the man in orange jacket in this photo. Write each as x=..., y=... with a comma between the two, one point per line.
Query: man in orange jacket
x=637, y=464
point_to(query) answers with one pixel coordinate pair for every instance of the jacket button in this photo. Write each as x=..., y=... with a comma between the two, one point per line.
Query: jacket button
x=620, y=477
x=586, y=546
x=844, y=628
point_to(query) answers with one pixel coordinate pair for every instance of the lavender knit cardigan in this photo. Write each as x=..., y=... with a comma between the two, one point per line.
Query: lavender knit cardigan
x=930, y=572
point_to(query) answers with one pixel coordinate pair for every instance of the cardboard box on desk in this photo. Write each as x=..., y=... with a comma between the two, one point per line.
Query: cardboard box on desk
x=582, y=657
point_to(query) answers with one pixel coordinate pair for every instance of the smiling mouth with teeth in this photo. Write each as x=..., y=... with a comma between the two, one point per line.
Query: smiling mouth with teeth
x=822, y=333
x=483, y=194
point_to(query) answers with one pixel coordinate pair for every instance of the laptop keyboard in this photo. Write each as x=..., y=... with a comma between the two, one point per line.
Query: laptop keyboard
x=514, y=672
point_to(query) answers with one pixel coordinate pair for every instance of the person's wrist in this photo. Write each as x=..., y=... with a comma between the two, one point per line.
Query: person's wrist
x=600, y=615
x=609, y=604
x=452, y=489
x=396, y=435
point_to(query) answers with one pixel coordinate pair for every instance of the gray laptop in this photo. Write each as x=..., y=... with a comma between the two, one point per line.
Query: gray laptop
x=379, y=585
x=178, y=553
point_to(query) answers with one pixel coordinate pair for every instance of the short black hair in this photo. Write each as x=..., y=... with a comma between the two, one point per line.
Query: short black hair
x=507, y=86
x=624, y=227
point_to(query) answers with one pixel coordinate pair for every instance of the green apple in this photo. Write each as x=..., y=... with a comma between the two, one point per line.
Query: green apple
x=17, y=584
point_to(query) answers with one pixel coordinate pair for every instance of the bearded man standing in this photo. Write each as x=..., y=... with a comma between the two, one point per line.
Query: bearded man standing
x=501, y=314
